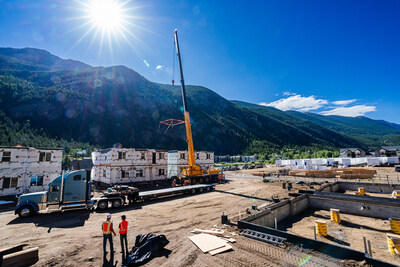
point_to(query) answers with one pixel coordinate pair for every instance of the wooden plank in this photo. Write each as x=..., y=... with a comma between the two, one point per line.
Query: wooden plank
x=220, y=250
x=229, y=239
x=8, y=250
x=206, y=242
x=211, y=232
x=22, y=258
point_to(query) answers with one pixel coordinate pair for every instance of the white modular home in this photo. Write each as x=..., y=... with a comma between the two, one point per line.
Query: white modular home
x=26, y=169
x=178, y=159
x=129, y=166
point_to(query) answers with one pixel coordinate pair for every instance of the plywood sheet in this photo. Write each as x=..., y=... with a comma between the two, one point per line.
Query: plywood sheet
x=232, y=240
x=207, y=242
x=220, y=250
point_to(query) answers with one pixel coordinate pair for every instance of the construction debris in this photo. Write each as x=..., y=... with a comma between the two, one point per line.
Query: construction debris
x=220, y=250
x=207, y=242
x=213, y=241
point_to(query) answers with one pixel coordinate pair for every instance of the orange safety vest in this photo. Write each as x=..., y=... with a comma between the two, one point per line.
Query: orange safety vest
x=106, y=227
x=123, y=227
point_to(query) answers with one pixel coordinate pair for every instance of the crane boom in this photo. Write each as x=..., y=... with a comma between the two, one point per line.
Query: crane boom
x=189, y=138
x=193, y=172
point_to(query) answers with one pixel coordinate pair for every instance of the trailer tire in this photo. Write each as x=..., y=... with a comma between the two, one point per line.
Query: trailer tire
x=193, y=191
x=116, y=203
x=102, y=205
x=201, y=190
x=207, y=188
x=25, y=211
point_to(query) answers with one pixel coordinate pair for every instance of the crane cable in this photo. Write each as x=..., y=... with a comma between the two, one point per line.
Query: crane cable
x=173, y=64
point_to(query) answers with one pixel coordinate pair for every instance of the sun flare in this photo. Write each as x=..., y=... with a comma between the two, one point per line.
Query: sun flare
x=109, y=24
x=106, y=14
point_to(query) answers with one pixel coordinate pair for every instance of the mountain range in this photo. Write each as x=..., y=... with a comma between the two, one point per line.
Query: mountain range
x=103, y=106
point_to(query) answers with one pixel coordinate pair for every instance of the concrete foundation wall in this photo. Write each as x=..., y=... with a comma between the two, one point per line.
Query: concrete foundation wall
x=369, y=187
x=280, y=210
x=329, y=187
x=374, y=207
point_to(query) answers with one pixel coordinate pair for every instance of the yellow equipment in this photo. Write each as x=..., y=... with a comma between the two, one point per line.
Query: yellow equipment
x=193, y=172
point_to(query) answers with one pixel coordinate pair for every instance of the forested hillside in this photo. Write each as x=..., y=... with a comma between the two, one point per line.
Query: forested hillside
x=51, y=101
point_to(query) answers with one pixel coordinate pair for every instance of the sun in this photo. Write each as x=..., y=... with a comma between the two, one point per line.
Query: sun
x=108, y=15
x=108, y=23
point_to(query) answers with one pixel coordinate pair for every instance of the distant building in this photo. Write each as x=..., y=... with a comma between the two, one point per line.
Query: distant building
x=27, y=169
x=352, y=153
x=234, y=158
x=388, y=151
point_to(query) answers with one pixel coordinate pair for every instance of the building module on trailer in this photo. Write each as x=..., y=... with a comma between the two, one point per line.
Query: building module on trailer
x=129, y=166
x=136, y=167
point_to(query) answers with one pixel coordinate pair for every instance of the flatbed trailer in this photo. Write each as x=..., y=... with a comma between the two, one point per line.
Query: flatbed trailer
x=74, y=191
x=116, y=201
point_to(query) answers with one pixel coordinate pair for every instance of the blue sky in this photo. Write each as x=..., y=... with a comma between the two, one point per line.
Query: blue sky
x=328, y=57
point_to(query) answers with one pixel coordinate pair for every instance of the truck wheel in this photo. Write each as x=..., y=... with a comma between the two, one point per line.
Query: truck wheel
x=102, y=205
x=116, y=203
x=193, y=191
x=25, y=211
x=201, y=190
x=208, y=188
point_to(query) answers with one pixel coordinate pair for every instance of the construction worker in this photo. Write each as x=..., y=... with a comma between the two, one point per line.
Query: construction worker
x=123, y=230
x=107, y=228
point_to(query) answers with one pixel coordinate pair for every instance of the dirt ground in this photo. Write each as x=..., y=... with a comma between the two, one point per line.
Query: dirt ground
x=74, y=238
x=348, y=233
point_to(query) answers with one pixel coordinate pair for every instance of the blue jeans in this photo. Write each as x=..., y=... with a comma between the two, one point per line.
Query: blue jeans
x=109, y=238
x=124, y=240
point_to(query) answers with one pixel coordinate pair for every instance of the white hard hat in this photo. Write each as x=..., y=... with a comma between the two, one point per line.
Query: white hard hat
x=109, y=216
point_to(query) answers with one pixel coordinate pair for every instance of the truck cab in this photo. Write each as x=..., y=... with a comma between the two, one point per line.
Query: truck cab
x=72, y=190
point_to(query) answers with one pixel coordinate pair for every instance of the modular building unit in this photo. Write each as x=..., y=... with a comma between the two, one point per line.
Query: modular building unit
x=178, y=159
x=372, y=161
x=129, y=166
x=26, y=169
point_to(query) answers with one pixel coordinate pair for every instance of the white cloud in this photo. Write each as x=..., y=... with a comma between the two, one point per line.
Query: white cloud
x=354, y=111
x=297, y=102
x=159, y=67
x=288, y=93
x=343, y=102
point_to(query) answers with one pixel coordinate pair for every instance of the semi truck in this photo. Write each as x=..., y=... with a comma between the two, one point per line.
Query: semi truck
x=74, y=191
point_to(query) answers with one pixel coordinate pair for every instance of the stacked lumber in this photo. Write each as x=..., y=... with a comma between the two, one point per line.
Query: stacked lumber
x=211, y=241
x=337, y=173
x=16, y=256
x=356, y=173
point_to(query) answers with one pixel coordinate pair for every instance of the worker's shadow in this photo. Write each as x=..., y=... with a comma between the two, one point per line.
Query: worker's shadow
x=109, y=263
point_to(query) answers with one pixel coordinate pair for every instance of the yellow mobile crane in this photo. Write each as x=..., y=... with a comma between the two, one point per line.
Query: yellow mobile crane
x=192, y=173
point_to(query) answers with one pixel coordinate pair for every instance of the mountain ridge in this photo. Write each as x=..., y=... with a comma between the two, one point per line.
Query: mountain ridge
x=107, y=105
